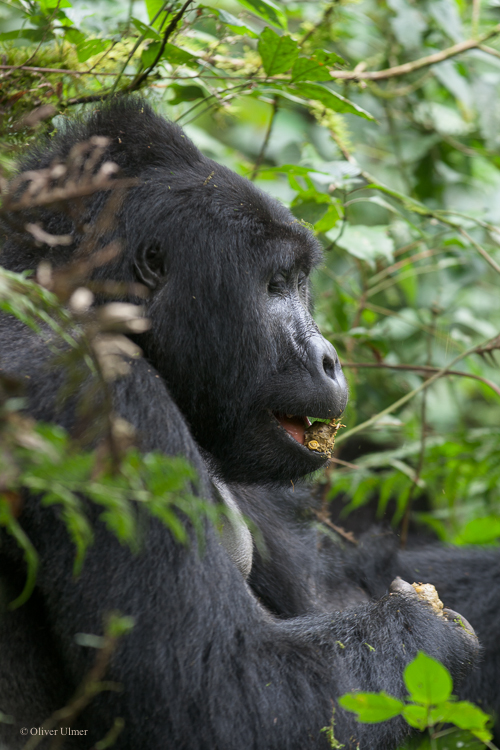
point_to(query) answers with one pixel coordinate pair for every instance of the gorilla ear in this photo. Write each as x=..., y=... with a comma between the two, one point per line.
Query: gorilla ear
x=150, y=264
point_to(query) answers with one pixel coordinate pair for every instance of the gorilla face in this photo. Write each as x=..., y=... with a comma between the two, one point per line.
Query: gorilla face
x=233, y=333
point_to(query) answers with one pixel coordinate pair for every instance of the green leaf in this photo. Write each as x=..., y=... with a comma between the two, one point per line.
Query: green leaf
x=33, y=35
x=309, y=69
x=427, y=680
x=467, y=716
x=9, y=523
x=366, y=243
x=292, y=169
x=90, y=47
x=416, y=716
x=186, y=93
x=277, y=52
x=372, y=707
x=267, y=10
x=480, y=531
x=328, y=58
x=235, y=24
x=153, y=7
x=171, y=53
x=329, y=98
x=48, y=5
x=309, y=209
x=146, y=32
x=328, y=221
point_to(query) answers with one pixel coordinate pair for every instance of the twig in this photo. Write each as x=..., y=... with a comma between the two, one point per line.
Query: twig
x=489, y=50
x=480, y=249
x=262, y=151
x=66, y=71
x=134, y=50
x=323, y=517
x=405, y=524
x=339, y=461
x=410, y=67
x=42, y=40
x=422, y=368
x=139, y=80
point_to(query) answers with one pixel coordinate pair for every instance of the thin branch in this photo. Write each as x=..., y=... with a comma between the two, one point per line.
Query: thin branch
x=422, y=368
x=142, y=77
x=480, y=249
x=405, y=524
x=262, y=151
x=489, y=50
x=135, y=48
x=322, y=516
x=340, y=462
x=65, y=71
x=410, y=67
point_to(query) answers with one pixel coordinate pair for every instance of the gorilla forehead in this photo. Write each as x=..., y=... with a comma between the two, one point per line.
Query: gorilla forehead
x=184, y=202
x=233, y=221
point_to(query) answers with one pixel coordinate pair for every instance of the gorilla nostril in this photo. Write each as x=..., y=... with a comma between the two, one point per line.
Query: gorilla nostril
x=329, y=367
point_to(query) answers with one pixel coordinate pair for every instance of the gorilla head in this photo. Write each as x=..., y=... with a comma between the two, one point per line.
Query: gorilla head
x=228, y=272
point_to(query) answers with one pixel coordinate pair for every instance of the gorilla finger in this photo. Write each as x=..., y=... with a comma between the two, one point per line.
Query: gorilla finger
x=456, y=617
x=398, y=586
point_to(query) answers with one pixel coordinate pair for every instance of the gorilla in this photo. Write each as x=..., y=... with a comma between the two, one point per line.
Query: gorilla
x=234, y=646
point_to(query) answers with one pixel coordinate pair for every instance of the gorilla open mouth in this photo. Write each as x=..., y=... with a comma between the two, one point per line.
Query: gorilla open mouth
x=317, y=436
x=295, y=426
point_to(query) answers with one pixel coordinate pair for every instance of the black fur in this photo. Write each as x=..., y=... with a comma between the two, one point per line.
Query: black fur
x=214, y=662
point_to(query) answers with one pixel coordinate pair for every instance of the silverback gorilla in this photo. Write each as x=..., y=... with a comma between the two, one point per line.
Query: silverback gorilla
x=227, y=652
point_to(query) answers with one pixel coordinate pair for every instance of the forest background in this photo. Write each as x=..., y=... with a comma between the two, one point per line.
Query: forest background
x=378, y=123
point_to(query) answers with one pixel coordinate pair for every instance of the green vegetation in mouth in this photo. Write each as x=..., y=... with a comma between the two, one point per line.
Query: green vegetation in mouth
x=320, y=436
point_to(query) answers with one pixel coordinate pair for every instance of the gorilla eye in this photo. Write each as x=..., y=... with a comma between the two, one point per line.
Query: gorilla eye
x=302, y=281
x=278, y=283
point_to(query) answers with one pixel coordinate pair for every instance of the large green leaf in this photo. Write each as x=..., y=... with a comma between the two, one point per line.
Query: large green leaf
x=480, y=531
x=467, y=716
x=153, y=7
x=91, y=47
x=278, y=53
x=309, y=69
x=428, y=682
x=267, y=10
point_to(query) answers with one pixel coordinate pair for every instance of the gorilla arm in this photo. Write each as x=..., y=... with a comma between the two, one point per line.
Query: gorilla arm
x=206, y=665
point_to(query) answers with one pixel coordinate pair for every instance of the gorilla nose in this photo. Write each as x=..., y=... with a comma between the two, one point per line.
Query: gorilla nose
x=327, y=371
